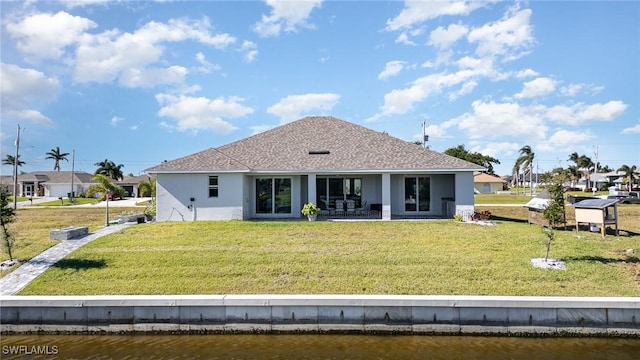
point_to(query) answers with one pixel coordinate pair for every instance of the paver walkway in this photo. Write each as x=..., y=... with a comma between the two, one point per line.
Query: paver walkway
x=18, y=279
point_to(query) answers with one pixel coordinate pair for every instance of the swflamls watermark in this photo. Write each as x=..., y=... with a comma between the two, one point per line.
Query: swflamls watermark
x=30, y=350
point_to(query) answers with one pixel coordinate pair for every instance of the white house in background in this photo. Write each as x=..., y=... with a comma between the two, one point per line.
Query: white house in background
x=53, y=183
x=317, y=159
x=487, y=184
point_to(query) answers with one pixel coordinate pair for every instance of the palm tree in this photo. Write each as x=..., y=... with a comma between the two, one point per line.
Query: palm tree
x=574, y=174
x=109, y=169
x=11, y=160
x=56, y=156
x=525, y=161
x=147, y=187
x=630, y=173
x=583, y=163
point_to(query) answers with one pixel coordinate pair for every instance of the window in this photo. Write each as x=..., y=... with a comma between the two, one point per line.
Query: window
x=417, y=193
x=213, y=186
x=273, y=196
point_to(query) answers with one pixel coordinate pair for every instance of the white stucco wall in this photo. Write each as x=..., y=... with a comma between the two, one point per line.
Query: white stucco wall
x=174, y=193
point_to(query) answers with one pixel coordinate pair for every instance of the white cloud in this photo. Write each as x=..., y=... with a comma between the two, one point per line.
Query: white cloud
x=47, y=35
x=250, y=50
x=632, y=130
x=400, y=101
x=601, y=112
x=403, y=38
x=504, y=36
x=418, y=11
x=22, y=90
x=257, y=129
x=293, y=107
x=285, y=15
x=33, y=116
x=575, y=89
x=466, y=88
x=537, y=87
x=129, y=57
x=149, y=77
x=497, y=149
x=444, y=38
x=205, y=66
x=526, y=73
x=564, y=139
x=20, y=86
x=493, y=120
x=198, y=113
x=115, y=120
x=392, y=68
x=81, y=3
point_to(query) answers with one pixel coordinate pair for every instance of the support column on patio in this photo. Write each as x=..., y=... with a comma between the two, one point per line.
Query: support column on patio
x=311, y=188
x=386, y=196
x=464, y=194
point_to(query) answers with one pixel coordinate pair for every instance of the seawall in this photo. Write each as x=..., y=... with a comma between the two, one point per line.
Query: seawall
x=438, y=315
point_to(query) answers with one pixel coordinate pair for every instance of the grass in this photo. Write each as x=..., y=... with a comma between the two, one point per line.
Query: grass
x=413, y=257
x=501, y=199
x=33, y=225
x=66, y=202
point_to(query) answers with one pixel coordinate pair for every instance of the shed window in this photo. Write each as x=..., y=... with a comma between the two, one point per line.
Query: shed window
x=213, y=186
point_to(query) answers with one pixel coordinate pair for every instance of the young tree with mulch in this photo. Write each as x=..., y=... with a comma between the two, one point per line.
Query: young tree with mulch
x=554, y=213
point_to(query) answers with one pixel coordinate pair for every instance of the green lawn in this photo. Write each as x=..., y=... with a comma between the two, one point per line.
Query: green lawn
x=412, y=257
x=66, y=202
x=32, y=227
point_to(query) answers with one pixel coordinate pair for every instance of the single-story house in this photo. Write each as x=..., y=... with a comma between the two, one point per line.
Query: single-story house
x=6, y=181
x=130, y=184
x=53, y=183
x=487, y=184
x=319, y=159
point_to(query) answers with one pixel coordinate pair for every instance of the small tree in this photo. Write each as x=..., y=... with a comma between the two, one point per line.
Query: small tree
x=7, y=216
x=554, y=213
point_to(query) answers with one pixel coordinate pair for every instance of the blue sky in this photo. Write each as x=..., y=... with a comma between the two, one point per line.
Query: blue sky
x=142, y=82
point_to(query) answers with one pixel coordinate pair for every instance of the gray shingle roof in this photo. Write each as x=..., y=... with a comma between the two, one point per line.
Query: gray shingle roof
x=56, y=177
x=286, y=148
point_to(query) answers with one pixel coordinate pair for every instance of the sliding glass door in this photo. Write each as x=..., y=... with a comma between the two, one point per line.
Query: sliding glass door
x=273, y=196
x=417, y=194
x=330, y=189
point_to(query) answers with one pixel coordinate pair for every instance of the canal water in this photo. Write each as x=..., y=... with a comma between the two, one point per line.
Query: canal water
x=312, y=347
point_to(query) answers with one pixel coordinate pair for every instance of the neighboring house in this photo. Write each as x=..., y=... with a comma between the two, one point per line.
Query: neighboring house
x=317, y=159
x=130, y=184
x=53, y=183
x=7, y=182
x=487, y=184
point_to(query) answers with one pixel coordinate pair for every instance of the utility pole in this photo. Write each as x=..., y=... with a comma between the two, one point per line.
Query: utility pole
x=73, y=163
x=595, y=175
x=15, y=171
x=425, y=137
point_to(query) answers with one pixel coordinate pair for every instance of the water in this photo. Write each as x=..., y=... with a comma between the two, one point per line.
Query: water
x=313, y=347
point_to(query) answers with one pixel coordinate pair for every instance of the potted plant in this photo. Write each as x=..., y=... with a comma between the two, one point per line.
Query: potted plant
x=310, y=210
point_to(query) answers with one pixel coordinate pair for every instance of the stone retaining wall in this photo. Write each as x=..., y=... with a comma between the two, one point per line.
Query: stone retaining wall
x=69, y=233
x=451, y=315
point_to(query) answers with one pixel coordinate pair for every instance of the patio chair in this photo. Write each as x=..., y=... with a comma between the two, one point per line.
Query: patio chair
x=362, y=210
x=351, y=207
x=339, y=207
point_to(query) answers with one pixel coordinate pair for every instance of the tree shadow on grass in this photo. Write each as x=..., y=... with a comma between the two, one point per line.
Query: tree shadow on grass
x=506, y=219
x=80, y=264
x=604, y=260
